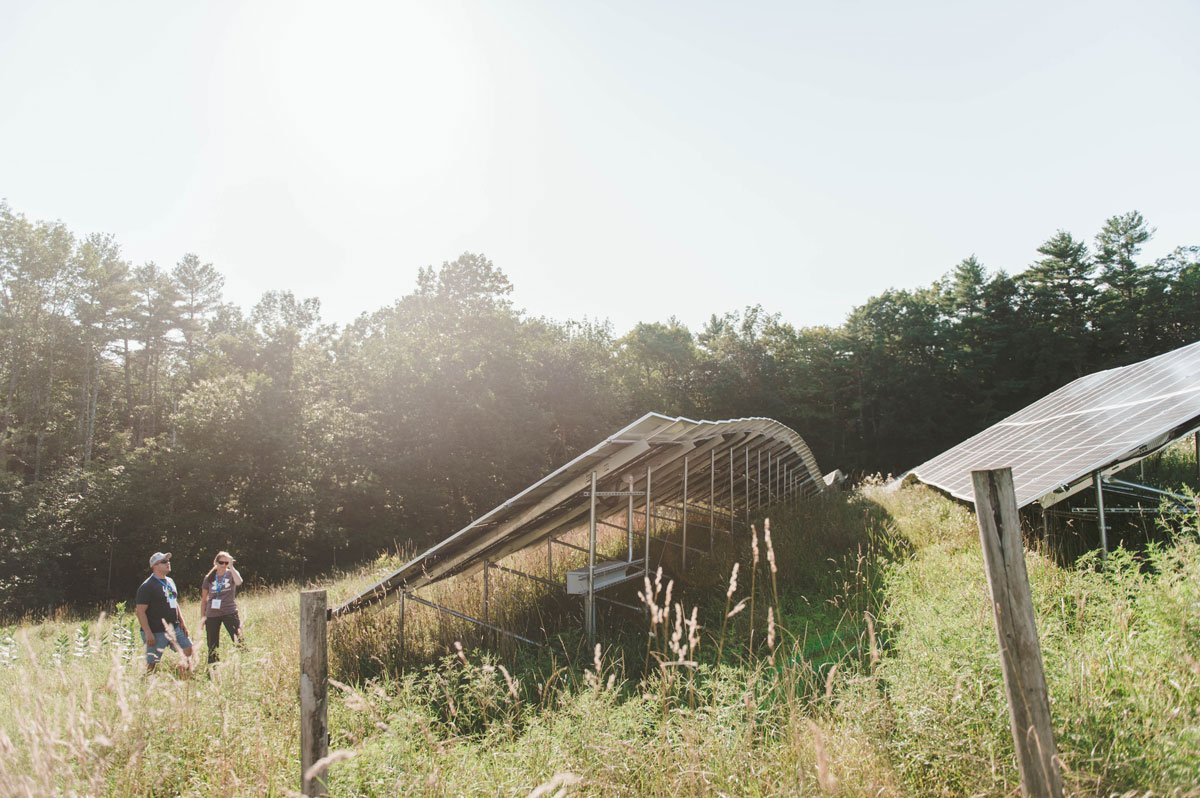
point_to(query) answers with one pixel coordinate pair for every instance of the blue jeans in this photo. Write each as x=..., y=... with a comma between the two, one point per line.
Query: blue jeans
x=154, y=652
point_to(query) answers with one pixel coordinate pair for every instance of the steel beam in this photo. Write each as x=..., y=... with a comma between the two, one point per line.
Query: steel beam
x=589, y=613
x=469, y=619
x=684, y=548
x=649, y=524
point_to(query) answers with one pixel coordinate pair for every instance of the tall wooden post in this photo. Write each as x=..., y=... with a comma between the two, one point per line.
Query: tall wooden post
x=314, y=688
x=1016, y=630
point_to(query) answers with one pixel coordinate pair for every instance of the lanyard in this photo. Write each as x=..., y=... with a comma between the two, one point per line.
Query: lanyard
x=168, y=591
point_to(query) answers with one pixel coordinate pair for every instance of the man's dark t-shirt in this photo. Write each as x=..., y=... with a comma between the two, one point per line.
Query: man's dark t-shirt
x=158, y=595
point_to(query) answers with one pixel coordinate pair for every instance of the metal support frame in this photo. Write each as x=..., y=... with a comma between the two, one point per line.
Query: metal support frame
x=758, y=482
x=732, y=513
x=534, y=577
x=565, y=544
x=684, y=548
x=747, y=486
x=712, y=500
x=400, y=624
x=616, y=603
x=1135, y=487
x=629, y=524
x=1100, y=513
x=649, y=524
x=611, y=525
x=486, y=609
x=589, y=607
x=770, y=478
x=468, y=618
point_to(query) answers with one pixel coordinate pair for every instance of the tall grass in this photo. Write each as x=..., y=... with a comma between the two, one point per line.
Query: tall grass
x=1120, y=644
x=868, y=666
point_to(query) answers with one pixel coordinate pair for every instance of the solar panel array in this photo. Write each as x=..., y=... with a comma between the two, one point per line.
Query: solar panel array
x=1101, y=422
x=560, y=501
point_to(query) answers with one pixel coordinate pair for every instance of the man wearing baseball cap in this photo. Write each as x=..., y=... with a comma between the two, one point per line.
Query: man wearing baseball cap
x=157, y=610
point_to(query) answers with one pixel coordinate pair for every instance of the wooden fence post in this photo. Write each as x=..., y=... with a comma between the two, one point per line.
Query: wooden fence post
x=314, y=687
x=1016, y=630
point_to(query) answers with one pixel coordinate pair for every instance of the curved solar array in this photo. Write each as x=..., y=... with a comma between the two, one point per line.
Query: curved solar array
x=1099, y=423
x=731, y=464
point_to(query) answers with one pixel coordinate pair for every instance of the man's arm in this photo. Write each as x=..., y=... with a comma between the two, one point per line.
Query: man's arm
x=140, y=611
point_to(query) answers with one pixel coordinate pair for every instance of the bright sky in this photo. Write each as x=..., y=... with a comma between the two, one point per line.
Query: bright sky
x=628, y=160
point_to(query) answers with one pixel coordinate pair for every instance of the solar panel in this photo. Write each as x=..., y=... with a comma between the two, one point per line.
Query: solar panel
x=1102, y=422
x=560, y=501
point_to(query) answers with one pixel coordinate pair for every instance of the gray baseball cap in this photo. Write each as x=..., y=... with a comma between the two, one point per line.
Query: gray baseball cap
x=158, y=557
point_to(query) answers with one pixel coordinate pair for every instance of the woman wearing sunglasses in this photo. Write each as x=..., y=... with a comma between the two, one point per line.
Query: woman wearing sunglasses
x=218, y=602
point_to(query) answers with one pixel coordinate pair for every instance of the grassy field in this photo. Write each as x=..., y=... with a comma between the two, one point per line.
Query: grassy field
x=865, y=664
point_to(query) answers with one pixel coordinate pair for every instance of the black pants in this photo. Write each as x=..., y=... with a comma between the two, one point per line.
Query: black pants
x=212, y=627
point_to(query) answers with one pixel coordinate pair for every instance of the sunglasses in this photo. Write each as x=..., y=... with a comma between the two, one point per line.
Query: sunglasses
x=223, y=562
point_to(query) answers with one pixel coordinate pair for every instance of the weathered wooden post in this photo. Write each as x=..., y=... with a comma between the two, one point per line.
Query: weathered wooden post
x=314, y=687
x=1016, y=630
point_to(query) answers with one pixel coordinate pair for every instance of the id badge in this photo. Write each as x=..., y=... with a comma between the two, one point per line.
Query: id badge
x=216, y=604
x=173, y=604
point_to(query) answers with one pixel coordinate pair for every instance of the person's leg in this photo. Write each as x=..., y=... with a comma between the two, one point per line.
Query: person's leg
x=212, y=630
x=233, y=625
x=184, y=642
x=154, y=650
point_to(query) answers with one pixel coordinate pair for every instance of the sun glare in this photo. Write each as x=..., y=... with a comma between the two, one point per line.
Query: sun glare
x=383, y=93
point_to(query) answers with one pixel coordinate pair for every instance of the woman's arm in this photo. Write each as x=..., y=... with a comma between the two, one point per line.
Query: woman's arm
x=237, y=578
x=203, y=603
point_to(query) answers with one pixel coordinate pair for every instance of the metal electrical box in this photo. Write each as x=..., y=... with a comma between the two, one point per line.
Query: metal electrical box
x=609, y=573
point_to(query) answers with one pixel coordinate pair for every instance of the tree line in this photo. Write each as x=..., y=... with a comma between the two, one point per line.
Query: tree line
x=141, y=410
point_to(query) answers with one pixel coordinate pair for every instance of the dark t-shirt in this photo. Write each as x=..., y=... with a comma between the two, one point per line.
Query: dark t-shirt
x=157, y=596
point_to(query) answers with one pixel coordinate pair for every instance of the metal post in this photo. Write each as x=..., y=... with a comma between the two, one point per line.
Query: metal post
x=712, y=499
x=758, y=485
x=1197, y=451
x=649, y=517
x=770, y=482
x=550, y=557
x=683, y=555
x=400, y=627
x=1100, y=514
x=747, y=479
x=589, y=611
x=487, y=566
x=629, y=523
x=731, y=491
